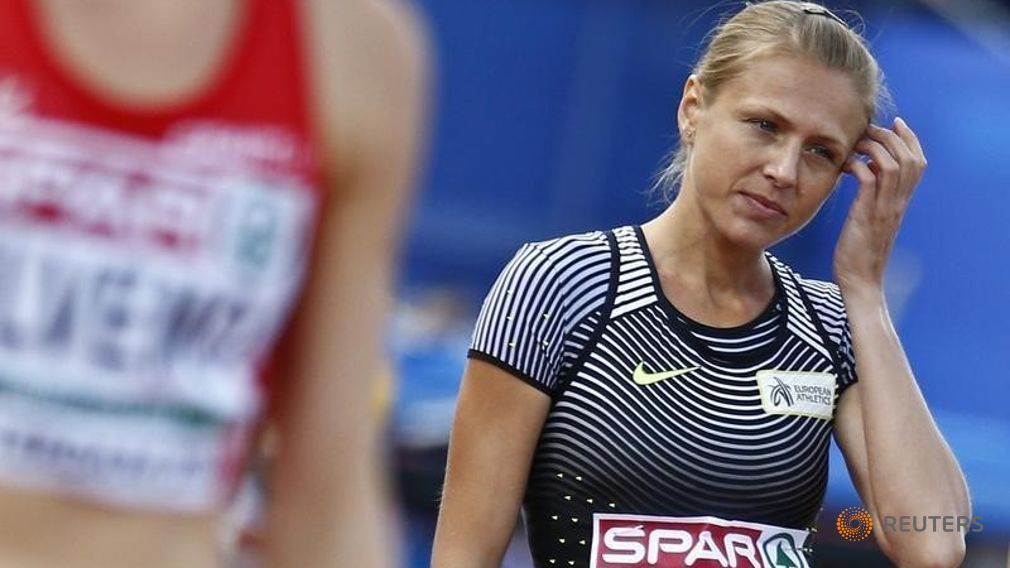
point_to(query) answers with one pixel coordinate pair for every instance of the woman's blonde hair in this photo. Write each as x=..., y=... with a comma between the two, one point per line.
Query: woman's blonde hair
x=781, y=27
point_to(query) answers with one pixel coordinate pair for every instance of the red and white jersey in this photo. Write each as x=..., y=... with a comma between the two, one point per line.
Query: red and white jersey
x=148, y=263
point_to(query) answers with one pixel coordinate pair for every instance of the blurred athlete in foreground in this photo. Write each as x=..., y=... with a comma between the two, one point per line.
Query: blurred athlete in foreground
x=178, y=178
x=664, y=394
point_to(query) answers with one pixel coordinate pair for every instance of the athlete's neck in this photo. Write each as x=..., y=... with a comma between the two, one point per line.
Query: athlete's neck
x=700, y=269
x=142, y=53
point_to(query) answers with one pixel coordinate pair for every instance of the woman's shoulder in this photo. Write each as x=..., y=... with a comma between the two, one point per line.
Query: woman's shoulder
x=586, y=242
x=549, y=288
x=577, y=264
x=824, y=295
x=368, y=66
x=572, y=252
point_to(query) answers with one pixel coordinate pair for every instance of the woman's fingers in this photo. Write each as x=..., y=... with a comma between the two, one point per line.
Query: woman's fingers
x=903, y=146
x=902, y=129
x=867, y=180
x=885, y=168
x=887, y=177
x=895, y=144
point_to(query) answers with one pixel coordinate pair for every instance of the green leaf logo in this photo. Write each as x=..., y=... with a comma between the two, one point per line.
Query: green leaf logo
x=782, y=559
x=781, y=551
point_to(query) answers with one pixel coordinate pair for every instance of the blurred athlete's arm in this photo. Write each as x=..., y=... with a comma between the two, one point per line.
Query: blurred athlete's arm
x=897, y=457
x=327, y=498
x=495, y=431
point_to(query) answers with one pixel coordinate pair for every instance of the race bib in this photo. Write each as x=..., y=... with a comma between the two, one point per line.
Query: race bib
x=140, y=290
x=641, y=541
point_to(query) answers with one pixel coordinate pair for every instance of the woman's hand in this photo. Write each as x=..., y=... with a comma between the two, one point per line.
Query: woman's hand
x=886, y=184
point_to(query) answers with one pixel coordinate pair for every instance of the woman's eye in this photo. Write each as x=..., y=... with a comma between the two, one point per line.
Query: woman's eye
x=765, y=125
x=824, y=153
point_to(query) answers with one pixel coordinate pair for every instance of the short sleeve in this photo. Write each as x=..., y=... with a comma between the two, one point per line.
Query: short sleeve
x=521, y=324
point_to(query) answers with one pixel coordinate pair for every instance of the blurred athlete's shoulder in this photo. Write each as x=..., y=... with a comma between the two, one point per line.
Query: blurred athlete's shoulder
x=383, y=39
x=368, y=62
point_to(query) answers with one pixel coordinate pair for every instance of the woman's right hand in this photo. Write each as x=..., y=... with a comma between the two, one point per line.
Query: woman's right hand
x=494, y=434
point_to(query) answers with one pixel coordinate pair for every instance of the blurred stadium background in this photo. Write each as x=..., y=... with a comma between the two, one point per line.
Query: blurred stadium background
x=552, y=117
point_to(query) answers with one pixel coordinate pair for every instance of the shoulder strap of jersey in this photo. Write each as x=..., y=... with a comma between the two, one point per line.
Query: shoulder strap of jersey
x=832, y=347
x=608, y=306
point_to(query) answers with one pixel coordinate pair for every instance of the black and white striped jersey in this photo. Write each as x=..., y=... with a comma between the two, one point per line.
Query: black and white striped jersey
x=653, y=413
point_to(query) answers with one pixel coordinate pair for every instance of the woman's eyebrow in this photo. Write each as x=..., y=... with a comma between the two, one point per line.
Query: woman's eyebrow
x=781, y=119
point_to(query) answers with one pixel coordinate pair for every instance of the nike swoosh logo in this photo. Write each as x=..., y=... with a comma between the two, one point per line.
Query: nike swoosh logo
x=643, y=378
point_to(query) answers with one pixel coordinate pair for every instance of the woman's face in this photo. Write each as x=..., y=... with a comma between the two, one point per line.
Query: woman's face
x=768, y=149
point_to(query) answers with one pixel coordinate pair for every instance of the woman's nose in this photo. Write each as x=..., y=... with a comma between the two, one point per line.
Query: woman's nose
x=782, y=165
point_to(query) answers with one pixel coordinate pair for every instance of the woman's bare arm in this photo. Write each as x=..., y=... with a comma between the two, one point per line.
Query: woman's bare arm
x=495, y=432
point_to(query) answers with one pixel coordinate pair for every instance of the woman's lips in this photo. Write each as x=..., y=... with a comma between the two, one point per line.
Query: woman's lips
x=767, y=207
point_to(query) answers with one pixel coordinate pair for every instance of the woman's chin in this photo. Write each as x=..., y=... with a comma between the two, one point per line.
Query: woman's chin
x=748, y=235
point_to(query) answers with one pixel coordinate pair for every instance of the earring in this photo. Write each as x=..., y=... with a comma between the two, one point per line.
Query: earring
x=688, y=134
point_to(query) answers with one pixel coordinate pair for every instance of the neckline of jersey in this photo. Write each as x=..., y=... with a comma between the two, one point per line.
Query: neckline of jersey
x=771, y=313
x=223, y=76
x=684, y=325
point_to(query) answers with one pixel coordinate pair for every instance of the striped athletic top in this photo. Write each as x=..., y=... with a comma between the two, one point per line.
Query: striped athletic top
x=655, y=414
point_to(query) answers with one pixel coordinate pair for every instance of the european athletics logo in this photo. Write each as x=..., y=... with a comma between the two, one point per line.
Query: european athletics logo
x=797, y=393
x=781, y=393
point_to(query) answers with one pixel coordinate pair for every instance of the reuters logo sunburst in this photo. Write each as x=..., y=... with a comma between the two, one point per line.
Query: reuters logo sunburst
x=854, y=523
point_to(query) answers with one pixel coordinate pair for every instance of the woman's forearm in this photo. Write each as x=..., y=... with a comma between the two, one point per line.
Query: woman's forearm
x=911, y=468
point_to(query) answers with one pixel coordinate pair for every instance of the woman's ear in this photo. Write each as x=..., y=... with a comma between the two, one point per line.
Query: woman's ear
x=689, y=108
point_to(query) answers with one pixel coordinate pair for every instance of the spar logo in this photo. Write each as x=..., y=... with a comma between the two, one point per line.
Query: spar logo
x=697, y=542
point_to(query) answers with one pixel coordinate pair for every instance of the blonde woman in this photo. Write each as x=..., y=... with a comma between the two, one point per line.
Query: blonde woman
x=665, y=394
